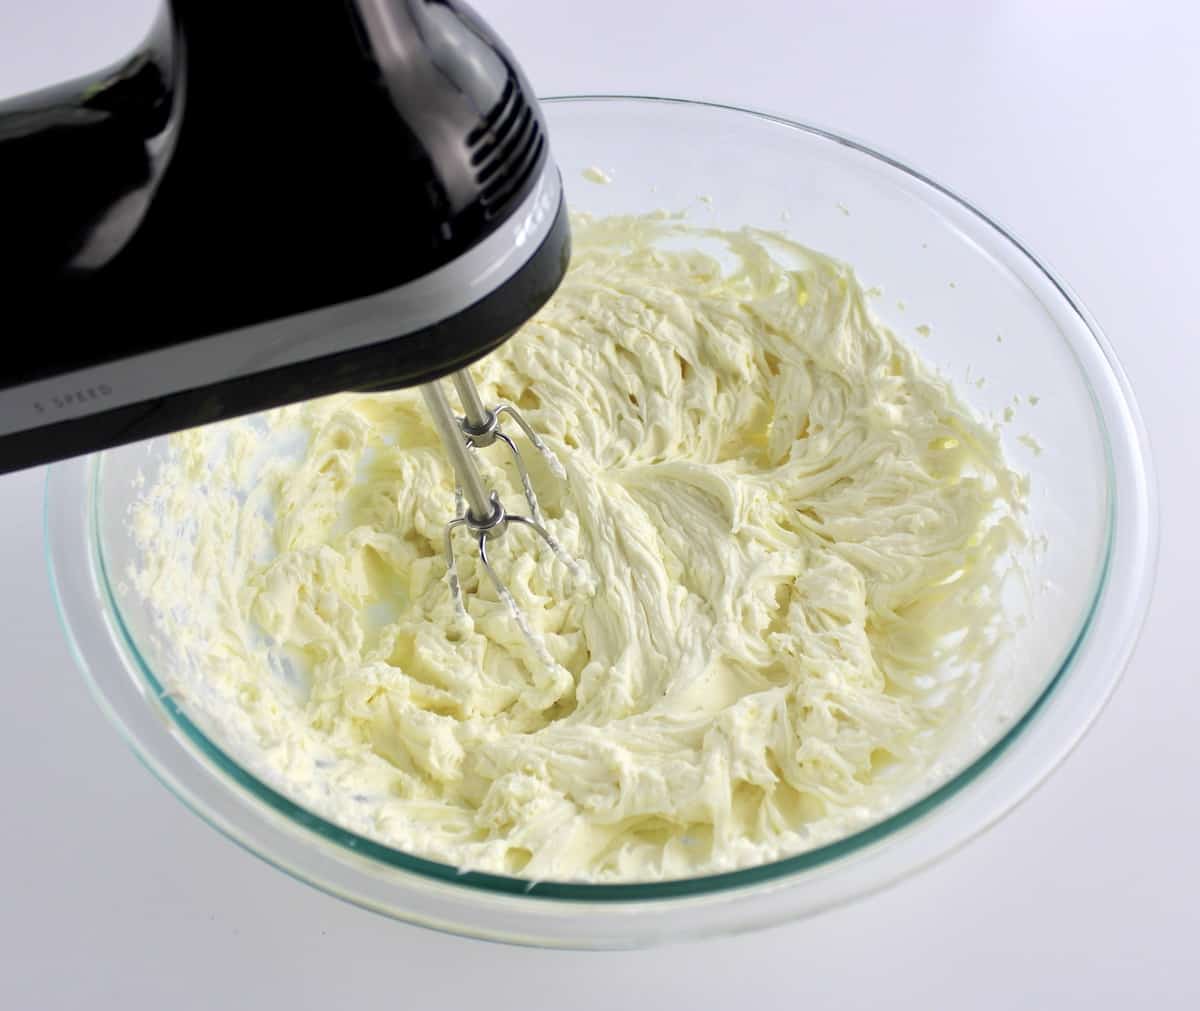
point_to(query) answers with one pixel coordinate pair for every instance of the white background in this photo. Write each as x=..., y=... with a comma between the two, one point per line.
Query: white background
x=1077, y=125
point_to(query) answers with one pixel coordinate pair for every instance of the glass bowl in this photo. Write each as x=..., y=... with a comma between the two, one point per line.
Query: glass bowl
x=995, y=313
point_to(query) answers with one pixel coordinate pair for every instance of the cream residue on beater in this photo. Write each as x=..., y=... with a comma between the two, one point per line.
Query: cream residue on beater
x=796, y=534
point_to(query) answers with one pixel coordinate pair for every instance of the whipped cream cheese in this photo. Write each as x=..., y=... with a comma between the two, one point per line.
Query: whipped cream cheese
x=794, y=534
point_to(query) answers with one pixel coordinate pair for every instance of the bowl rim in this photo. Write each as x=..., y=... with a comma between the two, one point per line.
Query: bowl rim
x=1140, y=512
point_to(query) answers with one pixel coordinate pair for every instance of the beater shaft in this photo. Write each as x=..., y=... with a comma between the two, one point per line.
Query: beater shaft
x=480, y=505
x=478, y=417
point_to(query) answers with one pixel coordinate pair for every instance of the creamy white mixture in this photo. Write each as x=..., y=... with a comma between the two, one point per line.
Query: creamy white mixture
x=794, y=533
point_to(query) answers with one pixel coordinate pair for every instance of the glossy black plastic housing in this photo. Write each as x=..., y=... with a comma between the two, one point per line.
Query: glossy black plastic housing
x=252, y=162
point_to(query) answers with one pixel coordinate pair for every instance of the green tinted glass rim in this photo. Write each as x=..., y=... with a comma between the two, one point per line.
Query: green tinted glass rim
x=745, y=878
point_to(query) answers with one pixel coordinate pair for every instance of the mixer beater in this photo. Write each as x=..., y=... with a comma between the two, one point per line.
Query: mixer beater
x=477, y=510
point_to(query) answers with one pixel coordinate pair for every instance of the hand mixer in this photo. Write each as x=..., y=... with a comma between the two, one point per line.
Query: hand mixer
x=269, y=202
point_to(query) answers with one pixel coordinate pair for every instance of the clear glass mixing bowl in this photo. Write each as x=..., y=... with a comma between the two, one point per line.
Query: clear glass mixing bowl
x=996, y=313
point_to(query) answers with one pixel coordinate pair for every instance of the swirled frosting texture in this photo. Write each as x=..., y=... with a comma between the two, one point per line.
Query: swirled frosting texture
x=795, y=533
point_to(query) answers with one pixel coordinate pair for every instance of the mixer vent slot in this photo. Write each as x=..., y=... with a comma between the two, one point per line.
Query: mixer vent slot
x=505, y=148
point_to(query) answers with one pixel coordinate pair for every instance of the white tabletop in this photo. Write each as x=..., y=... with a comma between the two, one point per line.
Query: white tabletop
x=1078, y=126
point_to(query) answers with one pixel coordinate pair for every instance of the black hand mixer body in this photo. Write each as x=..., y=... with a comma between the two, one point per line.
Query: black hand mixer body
x=267, y=202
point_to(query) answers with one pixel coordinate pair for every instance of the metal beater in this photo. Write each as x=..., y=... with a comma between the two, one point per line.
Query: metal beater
x=478, y=510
